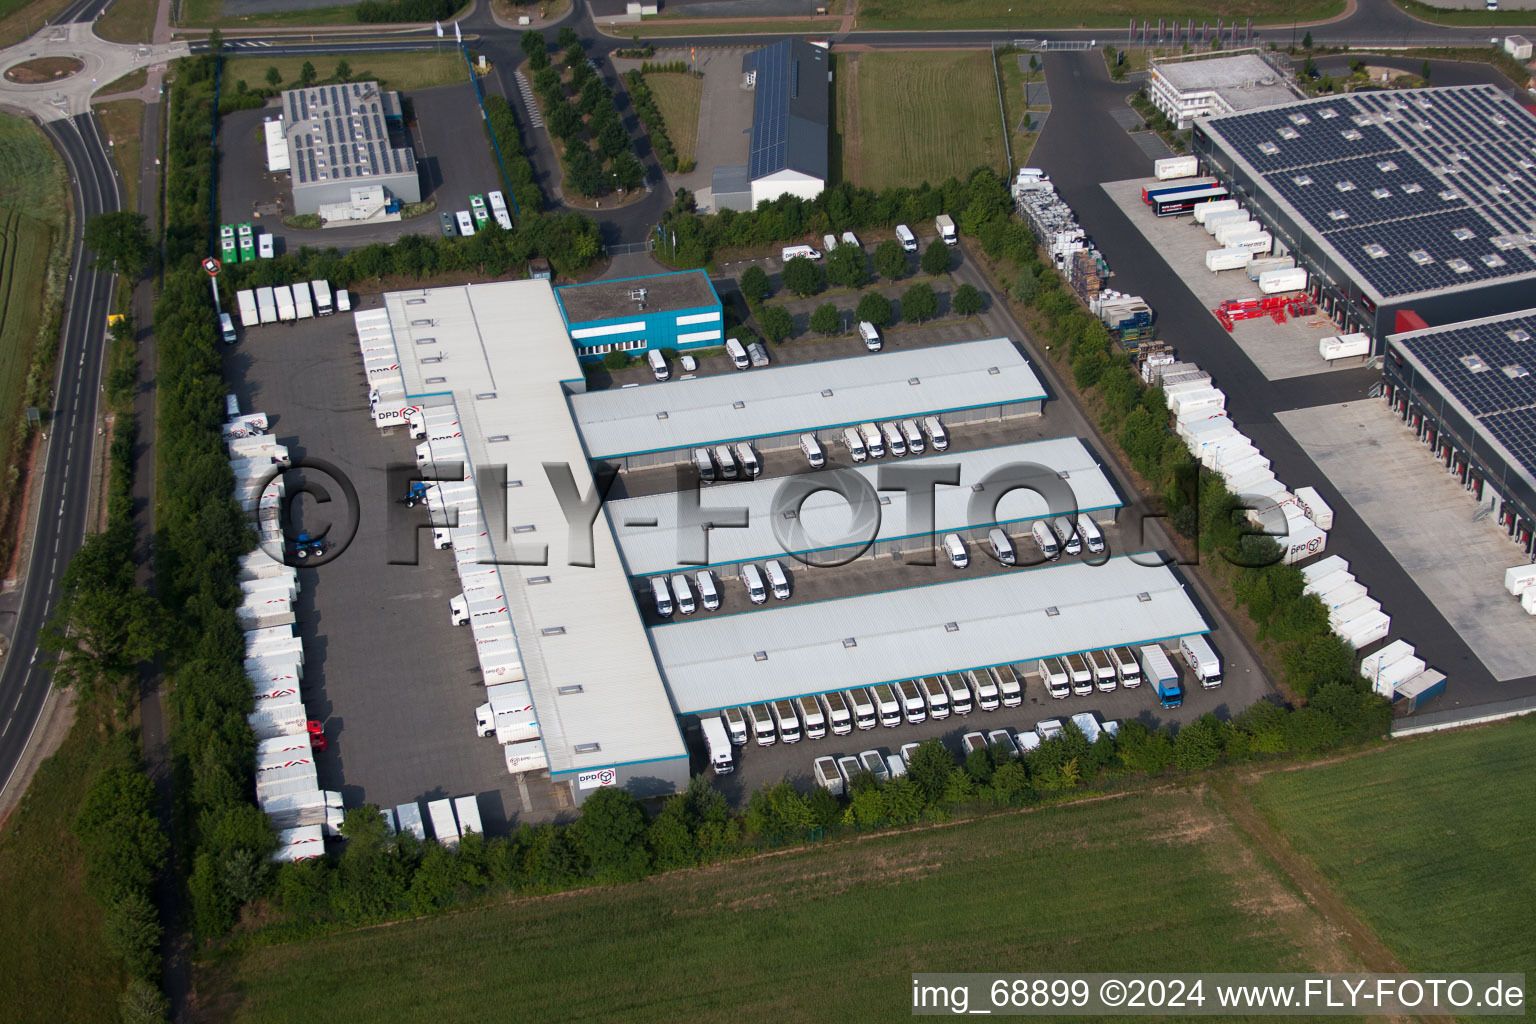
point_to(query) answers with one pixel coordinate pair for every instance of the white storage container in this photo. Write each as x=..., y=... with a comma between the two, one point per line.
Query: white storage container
x=1274, y=281
x=1520, y=578
x=1227, y=259
x=1315, y=508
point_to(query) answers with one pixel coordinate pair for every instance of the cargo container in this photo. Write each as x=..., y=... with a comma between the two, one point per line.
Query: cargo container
x=1344, y=346
x=1264, y=264
x=445, y=827
x=266, y=304
x=1338, y=616
x=250, y=316
x=1316, y=571
x=1216, y=218
x=1372, y=664
x=1366, y=629
x=1229, y=232
x=1175, y=167
x=1292, y=279
x=1215, y=206
x=286, y=310
x=1217, y=260
x=1260, y=243
x=1520, y=578
x=304, y=309
x=1314, y=507
x=1418, y=691
x=1396, y=674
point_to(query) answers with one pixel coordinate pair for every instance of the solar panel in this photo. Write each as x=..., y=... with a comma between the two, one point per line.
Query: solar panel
x=1438, y=172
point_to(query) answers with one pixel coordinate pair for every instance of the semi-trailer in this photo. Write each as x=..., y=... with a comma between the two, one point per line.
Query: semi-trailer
x=304, y=308
x=445, y=827
x=266, y=305
x=1175, y=167
x=286, y=310
x=467, y=808
x=411, y=820
x=250, y=315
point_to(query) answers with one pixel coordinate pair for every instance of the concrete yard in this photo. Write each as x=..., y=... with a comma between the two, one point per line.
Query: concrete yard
x=394, y=683
x=1279, y=351
x=1424, y=517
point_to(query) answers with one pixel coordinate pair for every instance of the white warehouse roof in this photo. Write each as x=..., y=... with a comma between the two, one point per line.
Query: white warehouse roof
x=578, y=628
x=805, y=396
x=825, y=515
x=713, y=662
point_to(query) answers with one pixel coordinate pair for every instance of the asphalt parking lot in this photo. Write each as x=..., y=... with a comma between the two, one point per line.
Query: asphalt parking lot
x=394, y=683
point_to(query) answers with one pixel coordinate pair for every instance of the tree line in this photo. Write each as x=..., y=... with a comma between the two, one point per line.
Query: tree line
x=579, y=111
x=650, y=115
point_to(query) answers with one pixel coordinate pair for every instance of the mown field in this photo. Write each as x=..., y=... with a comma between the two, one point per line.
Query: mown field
x=875, y=15
x=51, y=965
x=1155, y=882
x=906, y=118
x=1430, y=842
x=21, y=18
x=679, y=96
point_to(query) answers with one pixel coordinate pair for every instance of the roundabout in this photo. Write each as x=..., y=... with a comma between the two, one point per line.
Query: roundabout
x=41, y=70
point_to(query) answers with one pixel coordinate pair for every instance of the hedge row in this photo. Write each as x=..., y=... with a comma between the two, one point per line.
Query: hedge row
x=655, y=125
x=509, y=142
x=375, y=12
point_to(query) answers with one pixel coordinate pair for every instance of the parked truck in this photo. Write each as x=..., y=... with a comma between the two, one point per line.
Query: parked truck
x=721, y=758
x=912, y=706
x=935, y=697
x=322, y=290
x=959, y=693
x=1202, y=660
x=786, y=720
x=984, y=685
x=827, y=776
x=811, y=717
x=888, y=703
x=286, y=310
x=1010, y=684
x=250, y=315
x=266, y=305
x=1080, y=675
x=863, y=705
x=445, y=827
x=303, y=307
x=839, y=717
x=1160, y=675
x=946, y=227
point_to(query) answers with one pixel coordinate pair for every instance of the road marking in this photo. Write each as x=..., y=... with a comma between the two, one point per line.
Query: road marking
x=7, y=728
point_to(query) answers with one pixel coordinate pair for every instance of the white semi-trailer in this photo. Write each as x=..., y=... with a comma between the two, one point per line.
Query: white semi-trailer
x=266, y=305
x=303, y=307
x=286, y=310
x=721, y=757
x=250, y=314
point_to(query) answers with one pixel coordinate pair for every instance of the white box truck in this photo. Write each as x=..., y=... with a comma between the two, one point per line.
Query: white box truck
x=959, y=692
x=411, y=820
x=863, y=706
x=1010, y=684
x=445, y=827
x=887, y=706
x=266, y=304
x=786, y=720
x=718, y=744
x=912, y=706
x=322, y=290
x=935, y=696
x=735, y=726
x=839, y=717
x=286, y=310
x=811, y=717
x=303, y=308
x=946, y=228
x=250, y=316
x=984, y=686
x=827, y=775
x=763, y=730
x=1202, y=660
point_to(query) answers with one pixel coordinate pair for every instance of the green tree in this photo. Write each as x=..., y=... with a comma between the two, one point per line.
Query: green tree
x=567, y=38
x=563, y=121
x=535, y=49
x=142, y=1002
x=343, y=71
x=575, y=57
x=846, y=266
x=1025, y=289
x=754, y=284
x=918, y=303
x=826, y=319
x=776, y=323
x=1198, y=744
x=936, y=258
x=124, y=847
x=274, y=76
x=966, y=300
x=802, y=277
x=120, y=241
x=130, y=930
x=1306, y=41
x=890, y=259
x=615, y=360
x=612, y=139
x=930, y=768
x=308, y=74
x=1424, y=70
x=612, y=827
x=777, y=811
x=979, y=765
x=903, y=802
x=875, y=308
x=595, y=96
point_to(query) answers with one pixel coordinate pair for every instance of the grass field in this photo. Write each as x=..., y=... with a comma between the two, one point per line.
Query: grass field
x=20, y=18
x=906, y=118
x=128, y=21
x=662, y=27
x=403, y=71
x=1429, y=842
x=123, y=121
x=876, y=15
x=51, y=966
x=678, y=97
x=210, y=13
x=830, y=933
x=128, y=83
x=32, y=214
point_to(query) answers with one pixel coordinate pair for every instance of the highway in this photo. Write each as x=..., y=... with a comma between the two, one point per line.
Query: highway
x=66, y=467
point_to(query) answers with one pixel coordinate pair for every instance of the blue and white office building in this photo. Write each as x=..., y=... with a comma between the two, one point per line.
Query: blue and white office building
x=678, y=311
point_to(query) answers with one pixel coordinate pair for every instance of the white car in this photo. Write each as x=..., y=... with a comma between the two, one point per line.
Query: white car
x=264, y=243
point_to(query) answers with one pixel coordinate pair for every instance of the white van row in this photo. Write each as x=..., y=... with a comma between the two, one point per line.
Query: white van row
x=872, y=440
x=676, y=594
x=1083, y=674
x=727, y=462
x=1069, y=534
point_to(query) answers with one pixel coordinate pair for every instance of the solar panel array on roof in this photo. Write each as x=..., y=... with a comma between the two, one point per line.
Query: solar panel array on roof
x=790, y=111
x=1417, y=192
x=1486, y=366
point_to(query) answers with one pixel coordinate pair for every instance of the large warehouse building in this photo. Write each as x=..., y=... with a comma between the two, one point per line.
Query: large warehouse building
x=1406, y=208
x=797, y=649
x=1466, y=390
x=339, y=138
x=1187, y=88
x=791, y=120
x=678, y=311
x=1007, y=486
x=973, y=380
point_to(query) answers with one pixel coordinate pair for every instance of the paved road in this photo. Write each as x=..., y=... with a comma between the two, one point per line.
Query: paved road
x=1082, y=146
x=66, y=462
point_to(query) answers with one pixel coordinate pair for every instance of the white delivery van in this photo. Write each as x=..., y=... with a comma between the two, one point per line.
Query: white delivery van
x=855, y=442
x=683, y=594
x=839, y=714
x=1010, y=684
x=777, y=579
x=1002, y=547
x=750, y=467
x=788, y=722
x=871, y=335
x=955, y=548
x=959, y=692
x=658, y=364
x=913, y=707
x=907, y=239
x=1046, y=540
x=1126, y=666
x=812, y=449
x=872, y=440
x=1202, y=660
x=829, y=242
x=762, y=725
x=894, y=442
x=1066, y=529
x=343, y=301
x=735, y=726
x=726, y=460
x=863, y=708
x=1104, y=676
x=1090, y=532
x=753, y=581
x=662, y=596
x=227, y=328
x=849, y=238
x=984, y=685
x=1054, y=675
x=913, y=435
x=708, y=594
x=1079, y=674
x=705, y=466
x=792, y=252
x=887, y=705
x=937, y=435
x=738, y=353
x=718, y=743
